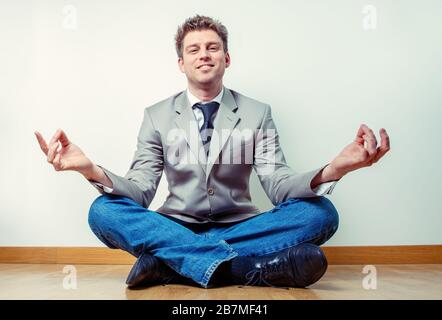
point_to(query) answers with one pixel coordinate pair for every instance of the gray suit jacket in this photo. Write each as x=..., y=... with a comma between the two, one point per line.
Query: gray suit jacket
x=213, y=188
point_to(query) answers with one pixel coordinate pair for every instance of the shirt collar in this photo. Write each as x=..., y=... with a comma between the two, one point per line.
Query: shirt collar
x=193, y=99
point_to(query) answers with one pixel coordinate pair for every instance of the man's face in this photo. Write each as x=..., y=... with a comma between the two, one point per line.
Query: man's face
x=204, y=60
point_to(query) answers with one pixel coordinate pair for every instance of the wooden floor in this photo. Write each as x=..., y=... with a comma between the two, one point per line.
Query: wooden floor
x=45, y=281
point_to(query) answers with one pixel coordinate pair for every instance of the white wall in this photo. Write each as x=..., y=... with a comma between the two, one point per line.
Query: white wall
x=313, y=61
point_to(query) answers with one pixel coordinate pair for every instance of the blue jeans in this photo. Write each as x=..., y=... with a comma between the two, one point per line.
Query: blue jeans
x=195, y=250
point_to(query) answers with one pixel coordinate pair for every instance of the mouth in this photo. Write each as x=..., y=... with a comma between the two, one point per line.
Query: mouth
x=205, y=66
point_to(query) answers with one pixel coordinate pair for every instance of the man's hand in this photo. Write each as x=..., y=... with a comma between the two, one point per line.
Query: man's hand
x=362, y=152
x=67, y=157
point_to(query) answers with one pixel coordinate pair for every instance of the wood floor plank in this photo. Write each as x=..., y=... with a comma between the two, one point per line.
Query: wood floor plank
x=45, y=281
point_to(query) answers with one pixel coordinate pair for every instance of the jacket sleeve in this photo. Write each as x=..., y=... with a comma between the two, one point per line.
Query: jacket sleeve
x=278, y=180
x=141, y=181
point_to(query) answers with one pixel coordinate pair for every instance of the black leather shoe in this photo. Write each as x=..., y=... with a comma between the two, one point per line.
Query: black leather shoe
x=149, y=270
x=299, y=266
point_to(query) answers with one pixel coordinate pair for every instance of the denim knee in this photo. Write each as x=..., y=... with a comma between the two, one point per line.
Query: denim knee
x=323, y=210
x=329, y=215
x=98, y=220
x=97, y=212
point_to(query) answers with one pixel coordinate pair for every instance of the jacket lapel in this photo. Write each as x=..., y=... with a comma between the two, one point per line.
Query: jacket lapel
x=185, y=120
x=226, y=119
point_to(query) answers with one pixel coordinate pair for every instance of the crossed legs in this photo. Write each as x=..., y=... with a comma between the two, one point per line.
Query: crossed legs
x=196, y=251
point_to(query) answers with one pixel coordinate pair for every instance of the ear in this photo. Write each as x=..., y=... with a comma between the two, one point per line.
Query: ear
x=227, y=60
x=181, y=64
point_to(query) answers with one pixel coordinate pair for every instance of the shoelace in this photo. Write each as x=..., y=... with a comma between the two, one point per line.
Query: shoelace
x=258, y=276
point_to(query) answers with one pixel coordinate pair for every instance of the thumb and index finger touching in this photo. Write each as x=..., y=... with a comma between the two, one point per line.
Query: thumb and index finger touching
x=365, y=134
x=59, y=135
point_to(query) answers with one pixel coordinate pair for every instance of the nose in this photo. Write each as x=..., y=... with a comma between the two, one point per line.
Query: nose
x=204, y=54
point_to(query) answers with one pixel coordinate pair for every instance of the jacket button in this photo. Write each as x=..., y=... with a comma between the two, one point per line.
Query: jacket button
x=210, y=191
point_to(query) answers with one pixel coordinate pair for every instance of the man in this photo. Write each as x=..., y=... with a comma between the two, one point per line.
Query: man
x=208, y=232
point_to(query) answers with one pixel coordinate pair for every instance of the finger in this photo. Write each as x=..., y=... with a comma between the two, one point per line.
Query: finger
x=59, y=135
x=385, y=145
x=360, y=141
x=370, y=134
x=370, y=146
x=57, y=162
x=385, y=139
x=360, y=133
x=41, y=142
x=371, y=140
x=52, y=152
x=54, y=137
x=63, y=139
x=364, y=129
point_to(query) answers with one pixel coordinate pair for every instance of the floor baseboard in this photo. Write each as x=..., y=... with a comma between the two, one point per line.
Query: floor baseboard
x=349, y=255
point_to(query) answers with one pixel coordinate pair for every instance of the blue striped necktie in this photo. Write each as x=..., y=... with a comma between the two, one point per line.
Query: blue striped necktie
x=208, y=110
